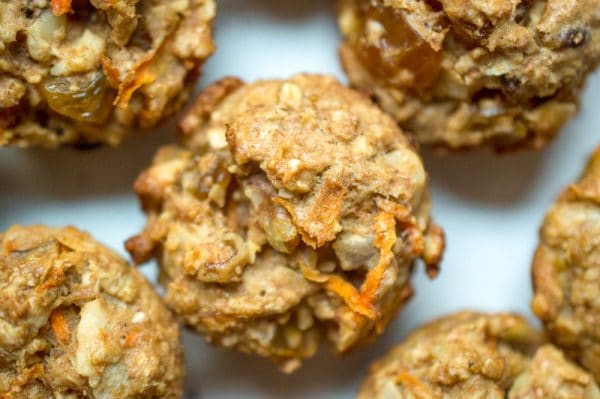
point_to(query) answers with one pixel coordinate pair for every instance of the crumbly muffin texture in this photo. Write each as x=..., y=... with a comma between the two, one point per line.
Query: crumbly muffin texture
x=293, y=213
x=86, y=72
x=78, y=321
x=473, y=355
x=566, y=270
x=463, y=73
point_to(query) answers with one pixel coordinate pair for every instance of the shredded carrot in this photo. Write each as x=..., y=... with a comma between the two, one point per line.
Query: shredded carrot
x=318, y=221
x=354, y=299
x=132, y=338
x=385, y=237
x=60, y=7
x=412, y=231
x=343, y=289
x=415, y=385
x=25, y=377
x=400, y=212
x=60, y=326
x=55, y=277
x=142, y=77
x=110, y=71
x=363, y=301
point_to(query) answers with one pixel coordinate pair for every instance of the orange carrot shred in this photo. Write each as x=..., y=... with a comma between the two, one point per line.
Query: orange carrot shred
x=55, y=277
x=60, y=326
x=131, y=339
x=60, y=7
x=415, y=385
x=385, y=237
x=357, y=302
x=111, y=72
x=343, y=289
x=142, y=75
x=362, y=302
x=126, y=90
x=25, y=377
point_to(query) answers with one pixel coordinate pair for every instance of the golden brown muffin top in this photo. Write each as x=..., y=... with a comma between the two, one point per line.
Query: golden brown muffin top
x=298, y=182
x=466, y=73
x=77, y=320
x=473, y=355
x=324, y=148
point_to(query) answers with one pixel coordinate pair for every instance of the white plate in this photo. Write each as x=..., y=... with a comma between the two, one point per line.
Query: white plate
x=490, y=206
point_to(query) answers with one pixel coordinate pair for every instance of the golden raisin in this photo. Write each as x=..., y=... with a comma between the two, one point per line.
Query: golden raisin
x=80, y=98
x=388, y=46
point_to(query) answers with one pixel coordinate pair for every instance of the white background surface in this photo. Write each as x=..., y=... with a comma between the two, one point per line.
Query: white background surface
x=490, y=206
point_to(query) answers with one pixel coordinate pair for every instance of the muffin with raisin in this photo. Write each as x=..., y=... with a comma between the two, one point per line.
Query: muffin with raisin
x=463, y=73
x=86, y=72
x=292, y=213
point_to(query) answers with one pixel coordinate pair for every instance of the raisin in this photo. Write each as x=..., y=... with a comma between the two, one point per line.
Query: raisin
x=387, y=45
x=573, y=37
x=28, y=12
x=84, y=99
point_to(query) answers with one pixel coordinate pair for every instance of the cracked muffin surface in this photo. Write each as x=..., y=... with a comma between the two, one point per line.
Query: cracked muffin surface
x=566, y=270
x=292, y=213
x=474, y=355
x=87, y=72
x=77, y=321
x=461, y=73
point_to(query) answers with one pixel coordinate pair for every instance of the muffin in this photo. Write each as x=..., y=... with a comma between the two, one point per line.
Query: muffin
x=505, y=74
x=292, y=213
x=88, y=72
x=566, y=270
x=77, y=321
x=473, y=355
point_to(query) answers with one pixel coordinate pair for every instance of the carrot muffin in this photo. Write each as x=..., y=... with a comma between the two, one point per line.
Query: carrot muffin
x=88, y=72
x=472, y=355
x=464, y=73
x=292, y=213
x=78, y=321
x=566, y=270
